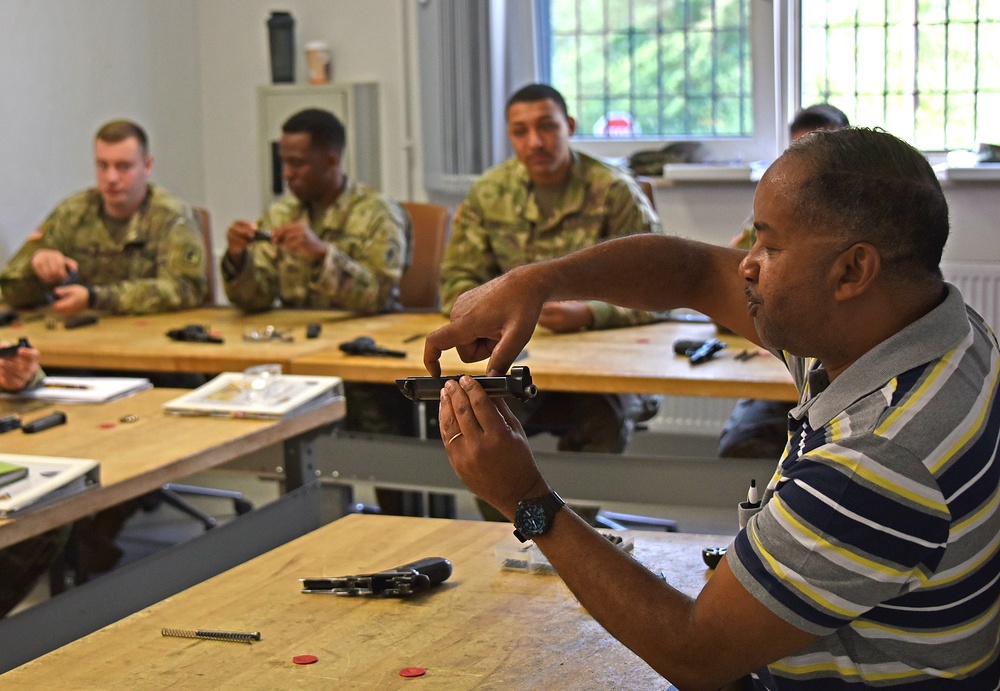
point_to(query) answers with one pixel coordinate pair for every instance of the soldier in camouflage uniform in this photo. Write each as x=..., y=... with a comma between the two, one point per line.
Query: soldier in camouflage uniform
x=126, y=246
x=21, y=564
x=335, y=244
x=547, y=202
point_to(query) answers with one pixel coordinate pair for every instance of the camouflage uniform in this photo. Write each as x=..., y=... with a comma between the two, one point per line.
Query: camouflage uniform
x=369, y=246
x=499, y=227
x=23, y=563
x=158, y=263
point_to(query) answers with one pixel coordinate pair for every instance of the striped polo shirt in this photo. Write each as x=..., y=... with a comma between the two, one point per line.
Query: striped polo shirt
x=880, y=529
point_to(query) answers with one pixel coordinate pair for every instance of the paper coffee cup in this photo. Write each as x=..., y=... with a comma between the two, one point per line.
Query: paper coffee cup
x=318, y=62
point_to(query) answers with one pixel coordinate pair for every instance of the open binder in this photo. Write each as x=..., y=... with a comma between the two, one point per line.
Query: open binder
x=287, y=394
x=48, y=479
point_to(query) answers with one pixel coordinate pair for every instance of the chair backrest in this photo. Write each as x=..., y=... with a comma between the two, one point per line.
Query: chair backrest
x=205, y=222
x=646, y=185
x=418, y=288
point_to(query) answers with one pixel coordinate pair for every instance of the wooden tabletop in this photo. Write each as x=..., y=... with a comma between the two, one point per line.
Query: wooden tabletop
x=638, y=359
x=138, y=457
x=140, y=342
x=483, y=628
x=631, y=360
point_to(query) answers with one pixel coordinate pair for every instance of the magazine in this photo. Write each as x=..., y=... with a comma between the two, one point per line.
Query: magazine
x=228, y=396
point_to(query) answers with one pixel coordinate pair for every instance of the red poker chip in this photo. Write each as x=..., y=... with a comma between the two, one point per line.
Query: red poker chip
x=412, y=672
x=304, y=659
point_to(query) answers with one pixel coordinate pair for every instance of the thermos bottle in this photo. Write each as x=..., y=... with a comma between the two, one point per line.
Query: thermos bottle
x=281, y=39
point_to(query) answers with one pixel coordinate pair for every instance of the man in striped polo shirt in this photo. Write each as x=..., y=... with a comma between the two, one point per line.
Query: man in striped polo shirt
x=875, y=558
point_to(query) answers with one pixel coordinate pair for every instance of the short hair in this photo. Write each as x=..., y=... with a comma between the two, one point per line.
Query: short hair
x=120, y=130
x=821, y=116
x=537, y=92
x=325, y=130
x=865, y=185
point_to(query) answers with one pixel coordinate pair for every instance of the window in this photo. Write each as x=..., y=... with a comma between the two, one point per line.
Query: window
x=925, y=70
x=639, y=73
x=632, y=68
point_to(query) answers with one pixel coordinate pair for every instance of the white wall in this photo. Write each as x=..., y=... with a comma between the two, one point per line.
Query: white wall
x=367, y=43
x=68, y=67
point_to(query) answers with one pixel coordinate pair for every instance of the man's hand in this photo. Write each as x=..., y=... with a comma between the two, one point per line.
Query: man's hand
x=238, y=237
x=491, y=454
x=494, y=320
x=566, y=316
x=18, y=371
x=70, y=299
x=52, y=266
x=299, y=238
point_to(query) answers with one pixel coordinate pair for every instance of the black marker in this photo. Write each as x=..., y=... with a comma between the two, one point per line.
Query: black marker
x=44, y=423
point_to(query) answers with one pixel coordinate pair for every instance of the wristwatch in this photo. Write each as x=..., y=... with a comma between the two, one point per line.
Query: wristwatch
x=534, y=516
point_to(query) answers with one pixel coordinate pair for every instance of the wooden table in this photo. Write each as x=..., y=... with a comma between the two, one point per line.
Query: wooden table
x=136, y=458
x=633, y=360
x=483, y=628
x=140, y=343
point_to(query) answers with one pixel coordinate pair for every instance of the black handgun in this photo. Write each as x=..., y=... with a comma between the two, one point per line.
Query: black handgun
x=196, y=333
x=11, y=350
x=698, y=351
x=408, y=579
x=363, y=345
x=517, y=384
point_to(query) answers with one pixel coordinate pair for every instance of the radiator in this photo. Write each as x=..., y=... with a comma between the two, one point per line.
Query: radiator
x=700, y=416
x=980, y=286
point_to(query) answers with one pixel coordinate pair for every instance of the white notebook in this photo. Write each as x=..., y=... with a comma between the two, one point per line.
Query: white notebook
x=225, y=396
x=49, y=479
x=84, y=389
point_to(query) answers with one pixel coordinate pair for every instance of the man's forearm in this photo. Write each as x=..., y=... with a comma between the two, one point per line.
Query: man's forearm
x=649, y=272
x=650, y=617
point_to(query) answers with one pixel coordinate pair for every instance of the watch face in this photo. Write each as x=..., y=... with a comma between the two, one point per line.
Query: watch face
x=531, y=519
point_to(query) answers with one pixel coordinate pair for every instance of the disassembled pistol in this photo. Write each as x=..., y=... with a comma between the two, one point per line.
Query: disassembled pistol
x=408, y=579
x=517, y=384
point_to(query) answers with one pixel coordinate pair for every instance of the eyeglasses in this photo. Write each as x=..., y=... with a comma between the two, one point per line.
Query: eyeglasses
x=268, y=333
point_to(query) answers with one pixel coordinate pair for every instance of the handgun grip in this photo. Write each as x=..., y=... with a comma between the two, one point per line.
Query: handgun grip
x=437, y=569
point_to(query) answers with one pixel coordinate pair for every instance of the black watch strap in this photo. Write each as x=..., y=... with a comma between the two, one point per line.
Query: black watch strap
x=534, y=516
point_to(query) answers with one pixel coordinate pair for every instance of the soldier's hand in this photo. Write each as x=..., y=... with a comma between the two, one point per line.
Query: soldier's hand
x=52, y=266
x=70, y=299
x=566, y=316
x=299, y=238
x=238, y=237
x=18, y=371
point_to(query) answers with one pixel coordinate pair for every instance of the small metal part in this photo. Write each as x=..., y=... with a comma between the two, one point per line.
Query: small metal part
x=712, y=556
x=128, y=418
x=230, y=636
x=517, y=384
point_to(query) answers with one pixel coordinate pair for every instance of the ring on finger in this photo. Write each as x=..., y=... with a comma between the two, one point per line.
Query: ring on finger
x=455, y=437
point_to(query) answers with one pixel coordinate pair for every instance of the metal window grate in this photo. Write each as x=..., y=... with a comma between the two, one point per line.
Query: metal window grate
x=673, y=67
x=925, y=70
